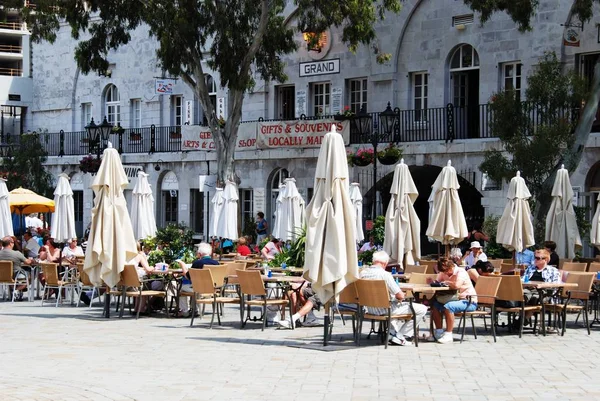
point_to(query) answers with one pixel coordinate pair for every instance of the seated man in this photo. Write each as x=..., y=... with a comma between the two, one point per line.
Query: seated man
x=399, y=330
x=30, y=245
x=18, y=259
x=204, y=253
x=474, y=255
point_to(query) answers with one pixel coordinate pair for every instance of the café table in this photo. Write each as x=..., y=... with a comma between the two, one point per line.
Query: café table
x=173, y=281
x=293, y=270
x=542, y=287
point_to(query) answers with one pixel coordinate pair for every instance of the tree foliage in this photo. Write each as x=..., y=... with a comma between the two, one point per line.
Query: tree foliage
x=535, y=134
x=523, y=11
x=242, y=40
x=24, y=166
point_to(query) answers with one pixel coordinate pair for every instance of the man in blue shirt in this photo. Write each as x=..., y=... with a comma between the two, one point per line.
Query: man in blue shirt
x=525, y=257
x=204, y=257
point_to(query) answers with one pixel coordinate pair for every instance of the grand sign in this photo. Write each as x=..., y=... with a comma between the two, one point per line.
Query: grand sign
x=322, y=67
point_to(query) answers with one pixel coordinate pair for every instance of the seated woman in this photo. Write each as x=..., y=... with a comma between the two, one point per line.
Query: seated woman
x=242, y=249
x=456, y=278
x=49, y=252
x=140, y=261
x=271, y=249
x=72, y=250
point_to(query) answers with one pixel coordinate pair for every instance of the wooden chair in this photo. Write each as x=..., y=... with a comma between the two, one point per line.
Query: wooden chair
x=350, y=306
x=231, y=270
x=581, y=295
x=573, y=266
x=7, y=280
x=251, y=285
x=50, y=271
x=130, y=279
x=497, y=263
x=506, y=267
x=85, y=284
x=594, y=267
x=561, y=262
x=511, y=289
x=415, y=269
x=487, y=289
x=374, y=294
x=431, y=266
x=205, y=293
x=418, y=278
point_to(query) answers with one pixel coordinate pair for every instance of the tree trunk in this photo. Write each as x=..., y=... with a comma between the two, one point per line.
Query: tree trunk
x=574, y=154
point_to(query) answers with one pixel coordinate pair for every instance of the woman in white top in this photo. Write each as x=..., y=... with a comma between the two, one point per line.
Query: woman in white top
x=272, y=248
x=72, y=250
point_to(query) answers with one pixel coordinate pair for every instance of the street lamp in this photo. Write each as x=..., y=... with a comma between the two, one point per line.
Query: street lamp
x=98, y=135
x=362, y=124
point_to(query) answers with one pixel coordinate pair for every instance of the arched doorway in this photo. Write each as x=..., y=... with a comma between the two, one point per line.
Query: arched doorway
x=424, y=177
x=463, y=66
x=276, y=178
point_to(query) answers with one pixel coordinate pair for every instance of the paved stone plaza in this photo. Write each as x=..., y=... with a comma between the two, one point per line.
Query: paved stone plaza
x=69, y=353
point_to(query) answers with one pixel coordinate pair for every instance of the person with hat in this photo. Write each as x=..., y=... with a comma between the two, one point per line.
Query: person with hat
x=474, y=254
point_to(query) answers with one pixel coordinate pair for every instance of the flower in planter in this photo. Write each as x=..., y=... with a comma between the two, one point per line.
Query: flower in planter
x=391, y=152
x=221, y=121
x=362, y=157
x=89, y=164
x=347, y=112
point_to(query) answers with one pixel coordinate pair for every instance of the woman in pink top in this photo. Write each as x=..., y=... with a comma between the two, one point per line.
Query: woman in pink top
x=456, y=278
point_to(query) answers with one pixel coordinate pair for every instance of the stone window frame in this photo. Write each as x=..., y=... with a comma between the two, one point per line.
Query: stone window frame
x=358, y=93
x=86, y=114
x=420, y=102
x=177, y=110
x=136, y=113
x=321, y=100
x=515, y=80
x=112, y=104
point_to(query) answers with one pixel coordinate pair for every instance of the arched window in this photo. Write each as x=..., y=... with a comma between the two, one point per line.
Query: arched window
x=464, y=58
x=112, y=105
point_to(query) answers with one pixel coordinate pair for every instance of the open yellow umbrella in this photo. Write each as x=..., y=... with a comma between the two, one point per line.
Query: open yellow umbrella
x=24, y=201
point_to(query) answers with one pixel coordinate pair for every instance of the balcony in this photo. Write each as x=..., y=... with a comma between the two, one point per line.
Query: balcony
x=13, y=49
x=436, y=124
x=11, y=72
x=12, y=26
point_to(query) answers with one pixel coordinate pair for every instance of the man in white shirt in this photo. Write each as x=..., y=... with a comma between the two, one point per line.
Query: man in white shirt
x=399, y=330
x=31, y=247
x=367, y=246
x=474, y=255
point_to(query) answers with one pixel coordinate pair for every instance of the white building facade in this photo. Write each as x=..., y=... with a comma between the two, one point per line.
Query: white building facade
x=441, y=56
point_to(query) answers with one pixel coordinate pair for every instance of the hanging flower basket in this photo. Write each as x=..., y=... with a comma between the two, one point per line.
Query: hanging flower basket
x=135, y=137
x=389, y=155
x=362, y=157
x=89, y=164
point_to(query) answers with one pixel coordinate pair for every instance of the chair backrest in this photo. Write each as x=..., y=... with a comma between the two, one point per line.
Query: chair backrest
x=233, y=267
x=561, y=262
x=202, y=281
x=431, y=266
x=251, y=282
x=415, y=269
x=487, y=289
x=349, y=294
x=506, y=267
x=50, y=271
x=594, y=267
x=511, y=289
x=218, y=274
x=83, y=276
x=80, y=259
x=6, y=271
x=129, y=277
x=418, y=278
x=574, y=267
x=373, y=293
x=497, y=263
x=584, y=281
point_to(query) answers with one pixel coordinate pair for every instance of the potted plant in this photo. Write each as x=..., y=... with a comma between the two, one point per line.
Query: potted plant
x=221, y=121
x=389, y=155
x=89, y=164
x=174, y=135
x=344, y=115
x=362, y=157
x=135, y=136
